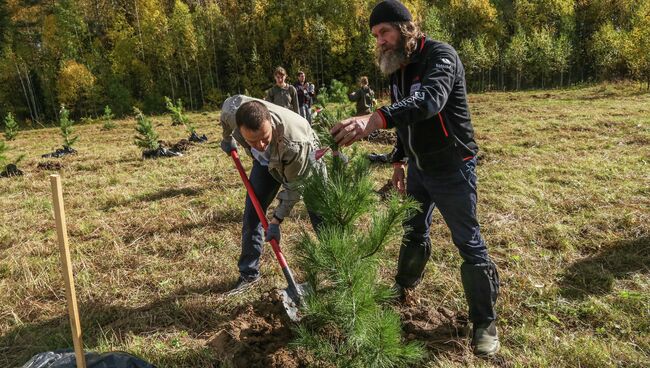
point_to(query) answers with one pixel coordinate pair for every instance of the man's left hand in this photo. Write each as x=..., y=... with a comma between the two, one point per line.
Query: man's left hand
x=355, y=128
x=273, y=232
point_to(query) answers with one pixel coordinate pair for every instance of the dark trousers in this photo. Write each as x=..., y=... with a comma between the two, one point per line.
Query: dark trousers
x=454, y=194
x=265, y=188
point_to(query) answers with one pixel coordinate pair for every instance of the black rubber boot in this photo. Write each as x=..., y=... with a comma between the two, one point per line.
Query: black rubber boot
x=411, y=263
x=481, y=284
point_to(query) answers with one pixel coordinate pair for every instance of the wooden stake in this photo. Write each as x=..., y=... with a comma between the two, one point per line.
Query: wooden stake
x=62, y=233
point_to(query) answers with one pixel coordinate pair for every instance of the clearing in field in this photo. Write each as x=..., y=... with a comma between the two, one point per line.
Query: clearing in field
x=563, y=202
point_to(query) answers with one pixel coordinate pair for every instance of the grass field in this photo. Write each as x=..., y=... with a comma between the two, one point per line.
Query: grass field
x=564, y=202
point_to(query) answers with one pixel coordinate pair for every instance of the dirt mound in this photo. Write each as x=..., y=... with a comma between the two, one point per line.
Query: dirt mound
x=432, y=326
x=257, y=336
x=49, y=165
x=382, y=137
x=442, y=331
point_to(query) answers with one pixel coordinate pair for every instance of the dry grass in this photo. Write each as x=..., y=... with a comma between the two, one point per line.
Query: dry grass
x=564, y=198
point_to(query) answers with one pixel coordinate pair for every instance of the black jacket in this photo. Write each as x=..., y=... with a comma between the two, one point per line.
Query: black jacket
x=429, y=110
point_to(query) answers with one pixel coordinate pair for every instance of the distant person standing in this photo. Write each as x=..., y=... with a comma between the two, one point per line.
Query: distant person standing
x=364, y=97
x=282, y=93
x=305, y=91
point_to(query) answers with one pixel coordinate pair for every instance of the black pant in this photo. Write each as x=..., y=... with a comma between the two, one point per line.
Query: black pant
x=454, y=194
x=265, y=188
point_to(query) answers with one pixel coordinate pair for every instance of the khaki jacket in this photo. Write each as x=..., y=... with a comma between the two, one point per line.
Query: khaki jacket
x=292, y=148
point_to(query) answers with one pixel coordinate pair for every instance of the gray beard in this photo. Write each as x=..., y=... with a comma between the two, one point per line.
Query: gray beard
x=390, y=60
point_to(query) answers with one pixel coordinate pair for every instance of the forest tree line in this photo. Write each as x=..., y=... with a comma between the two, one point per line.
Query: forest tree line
x=88, y=54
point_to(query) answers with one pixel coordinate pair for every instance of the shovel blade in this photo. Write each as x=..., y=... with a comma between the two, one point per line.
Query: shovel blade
x=292, y=300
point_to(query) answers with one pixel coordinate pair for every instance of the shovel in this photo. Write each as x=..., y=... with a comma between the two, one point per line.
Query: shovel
x=292, y=295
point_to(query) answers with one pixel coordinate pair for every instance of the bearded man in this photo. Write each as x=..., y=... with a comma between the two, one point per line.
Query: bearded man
x=437, y=149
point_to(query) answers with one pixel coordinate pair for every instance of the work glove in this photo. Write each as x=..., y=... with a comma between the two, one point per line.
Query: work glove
x=227, y=145
x=273, y=232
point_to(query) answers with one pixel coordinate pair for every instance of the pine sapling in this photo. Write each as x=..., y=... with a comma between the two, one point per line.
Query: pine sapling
x=66, y=129
x=325, y=121
x=147, y=138
x=107, y=118
x=177, y=115
x=11, y=127
x=346, y=322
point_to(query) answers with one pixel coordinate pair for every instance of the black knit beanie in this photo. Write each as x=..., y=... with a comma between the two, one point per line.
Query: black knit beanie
x=389, y=11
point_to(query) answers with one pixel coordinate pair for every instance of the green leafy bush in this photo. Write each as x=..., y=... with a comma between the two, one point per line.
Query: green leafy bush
x=338, y=92
x=147, y=138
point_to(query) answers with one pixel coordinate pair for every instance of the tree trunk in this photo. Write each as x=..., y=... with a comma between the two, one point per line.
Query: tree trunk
x=29, y=105
x=171, y=82
x=137, y=18
x=198, y=71
x=214, y=53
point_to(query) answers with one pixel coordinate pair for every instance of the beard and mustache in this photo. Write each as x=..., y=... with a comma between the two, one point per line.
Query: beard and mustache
x=391, y=59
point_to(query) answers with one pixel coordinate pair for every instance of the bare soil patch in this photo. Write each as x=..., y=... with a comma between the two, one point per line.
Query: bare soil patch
x=258, y=335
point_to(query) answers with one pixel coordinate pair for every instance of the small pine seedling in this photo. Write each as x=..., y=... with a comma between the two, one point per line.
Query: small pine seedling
x=178, y=117
x=66, y=128
x=107, y=118
x=11, y=127
x=147, y=138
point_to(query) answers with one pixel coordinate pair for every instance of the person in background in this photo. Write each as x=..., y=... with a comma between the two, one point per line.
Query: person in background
x=364, y=97
x=282, y=93
x=305, y=91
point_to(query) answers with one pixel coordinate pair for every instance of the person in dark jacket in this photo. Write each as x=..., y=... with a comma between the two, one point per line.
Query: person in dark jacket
x=436, y=145
x=305, y=91
x=364, y=97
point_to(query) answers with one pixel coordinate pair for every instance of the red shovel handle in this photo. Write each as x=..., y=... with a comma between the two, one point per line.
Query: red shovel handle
x=258, y=208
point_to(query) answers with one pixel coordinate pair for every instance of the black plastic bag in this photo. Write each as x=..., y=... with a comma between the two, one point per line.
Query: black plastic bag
x=380, y=158
x=9, y=171
x=160, y=152
x=66, y=359
x=60, y=152
x=197, y=139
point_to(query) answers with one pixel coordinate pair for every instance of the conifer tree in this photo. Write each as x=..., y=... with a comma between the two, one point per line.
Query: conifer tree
x=178, y=117
x=346, y=322
x=11, y=127
x=66, y=128
x=107, y=118
x=148, y=138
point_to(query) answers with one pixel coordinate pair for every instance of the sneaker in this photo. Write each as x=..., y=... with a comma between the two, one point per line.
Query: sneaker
x=243, y=284
x=485, y=339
